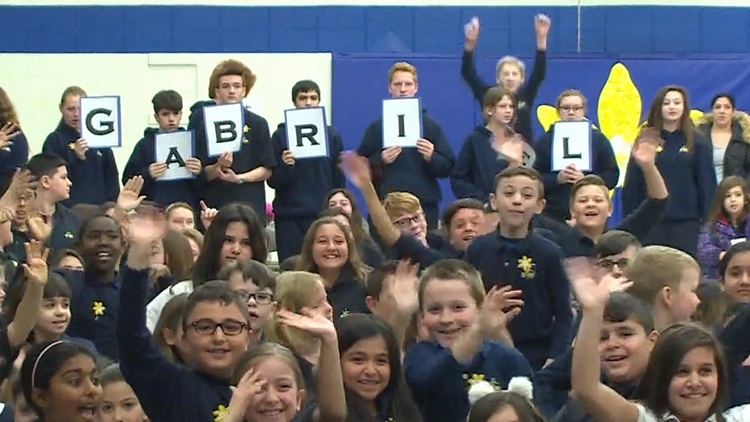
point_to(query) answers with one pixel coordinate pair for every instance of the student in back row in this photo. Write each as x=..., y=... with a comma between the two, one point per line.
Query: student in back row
x=92, y=171
x=237, y=176
x=302, y=185
x=142, y=162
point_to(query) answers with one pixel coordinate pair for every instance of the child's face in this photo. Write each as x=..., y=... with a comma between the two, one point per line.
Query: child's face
x=58, y=185
x=616, y=264
x=215, y=354
x=260, y=303
x=340, y=200
x=119, y=404
x=412, y=224
x=734, y=202
x=464, y=227
x=693, y=388
x=330, y=250
x=101, y=245
x=194, y=249
x=366, y=367
x=510, y=77
x=236, y=245
x=624, y=349
x=70, y=262
x=737, y=277
x=684, y=300
x=168, y=120
x=448, y=310
x=281, y=399
x=591, y=207
x=319, y=303
x=181, y=218
x=504, y=414
x=157, y=253
x=307, y=99
x=74, y=391
x=516, y=200
x=54, y=316
x=22, y=412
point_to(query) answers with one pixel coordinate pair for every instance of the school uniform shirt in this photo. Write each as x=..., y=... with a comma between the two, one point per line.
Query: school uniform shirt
x=347, y=295
x=94, y=308
x=715, y=239
x=533, y=265
x=95, y=179
x=65, y=227
x=255, y=151
x=557, y=195
x=440, y=384
x=12, y=158
x=689, y=176
x=526, y=95
x=302, y=188
x=473, y=175
x=191, y=395
x=409, y=247
x=163, y=192
x=410, y=172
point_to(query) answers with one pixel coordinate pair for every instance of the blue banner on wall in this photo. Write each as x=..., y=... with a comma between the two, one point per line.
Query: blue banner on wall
x=619, y=91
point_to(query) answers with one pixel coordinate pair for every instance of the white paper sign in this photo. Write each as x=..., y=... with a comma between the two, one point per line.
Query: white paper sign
x=736, y=241
x=100, y=125
x=571, y=144
x=402, y=122
x=225, y=128
x=174, y=148
x=307, y=132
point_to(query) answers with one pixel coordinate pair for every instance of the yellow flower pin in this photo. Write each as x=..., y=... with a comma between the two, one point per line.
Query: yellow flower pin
x=683, y=149
x=247, y=128
x=98, y=308
x=72, y=146
x=68, y=235
x=475, y=379
x=527, y=267
x=221, y=413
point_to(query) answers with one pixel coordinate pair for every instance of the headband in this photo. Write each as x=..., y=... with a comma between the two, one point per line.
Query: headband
x=39, y=358
x=518, y=385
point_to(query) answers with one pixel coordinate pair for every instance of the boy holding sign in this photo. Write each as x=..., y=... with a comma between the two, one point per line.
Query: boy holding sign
x=236, y=176
x=93, y=172
x=302, y=183
x=158, y=185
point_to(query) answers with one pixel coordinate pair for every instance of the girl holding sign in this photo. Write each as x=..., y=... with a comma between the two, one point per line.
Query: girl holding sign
x=93, y=172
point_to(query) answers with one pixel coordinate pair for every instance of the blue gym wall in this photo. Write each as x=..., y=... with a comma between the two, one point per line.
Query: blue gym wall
x=505, y=30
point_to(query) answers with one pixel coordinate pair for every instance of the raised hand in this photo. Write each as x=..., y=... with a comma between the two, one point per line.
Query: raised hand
x=542, y=24
x=310, y=322
x=402, y=289
x=129, y=198
x=500, y=306
x=591, y=288
x=250, y=384
x=145, y=228
x=35, y=268
x=40, y=226
x=7, y=133
x=512, y=150
x=207, y=215
x=471, y=32
x=356, y=168
x=647, y=146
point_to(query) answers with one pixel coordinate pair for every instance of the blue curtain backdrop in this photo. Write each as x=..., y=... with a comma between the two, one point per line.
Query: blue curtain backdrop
x=360, y=84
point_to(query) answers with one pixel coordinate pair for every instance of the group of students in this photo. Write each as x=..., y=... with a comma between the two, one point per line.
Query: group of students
x=154, y=301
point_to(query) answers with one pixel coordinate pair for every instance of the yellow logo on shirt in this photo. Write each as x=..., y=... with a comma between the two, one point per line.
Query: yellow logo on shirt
x=72, y=146
x=345, y=313
x=659, y=148
x=98, y=308
x=476, y=379
x=221, y=413
x=527, y=267
x=68, y=235
x=683, y=149
x=245, y=139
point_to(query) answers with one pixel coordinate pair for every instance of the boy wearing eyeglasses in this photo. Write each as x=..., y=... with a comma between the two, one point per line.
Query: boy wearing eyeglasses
x=256, y=285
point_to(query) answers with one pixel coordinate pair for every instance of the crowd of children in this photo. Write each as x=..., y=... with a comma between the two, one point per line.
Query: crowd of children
x=157, y=300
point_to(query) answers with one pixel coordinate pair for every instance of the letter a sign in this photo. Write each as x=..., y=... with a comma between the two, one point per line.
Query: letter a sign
x=571, y=144
x=174, y=148
x=402, y=122
x=101, y=126
x=307, y=132
x=225, y=128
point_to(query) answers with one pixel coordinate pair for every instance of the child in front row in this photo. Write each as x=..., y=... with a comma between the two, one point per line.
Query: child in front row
x=460, y=317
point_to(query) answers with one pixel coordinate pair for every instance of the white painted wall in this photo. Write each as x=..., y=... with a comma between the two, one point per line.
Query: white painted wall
x=721, y=3
x=36, y=81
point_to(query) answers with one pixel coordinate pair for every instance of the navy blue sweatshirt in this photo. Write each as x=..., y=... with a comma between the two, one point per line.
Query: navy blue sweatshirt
x=409, y=172
x=526, y=94
x=476, y=167
x=302, y=188
x=162, y=192
x=256, y=151
x=533, y=265
x=689, y=176
x=95, y=179
x=13, y=158
x=440, y=384
x=191, y=396
x=94, y=309
x=347, y=295
x=557, y=194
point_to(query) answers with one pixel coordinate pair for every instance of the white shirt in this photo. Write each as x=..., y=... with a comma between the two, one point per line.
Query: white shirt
x=153, y=309
x=735, y=414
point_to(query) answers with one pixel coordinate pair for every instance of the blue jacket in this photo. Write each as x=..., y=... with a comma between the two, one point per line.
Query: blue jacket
x=474, y=173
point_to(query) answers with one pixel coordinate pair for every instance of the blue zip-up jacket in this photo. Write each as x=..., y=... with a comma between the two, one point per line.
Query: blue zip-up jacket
x=473, y=175
x=302, y=188
x=409, y=172
x=95, y=179
x=162, y=192
x=603, y=164
x=689, y=176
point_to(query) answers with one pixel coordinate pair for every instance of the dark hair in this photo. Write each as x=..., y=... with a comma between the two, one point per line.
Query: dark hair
x=735, y=249
x=58, y=255
x=622, y=307
x=713, y=306
x=42, y=362
x=655, y=119
x=8, y=112
x=458, y=205
x=231, y=67
x=56, y=286
x=721, y=95
x=356, y=327
x=717, y=211
x=44, y=164
x=673, y=345
x=490, y=404
x=529, y=172
x=85, y=228
x=615, y=242
x=289, y=264
x=358, y=231
x=169, y=100
x=260, y=275
x=214, y=291
x=207, y=264
x=377, y=277
x=495, y=94
x=72, y=90
x=304, y=86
